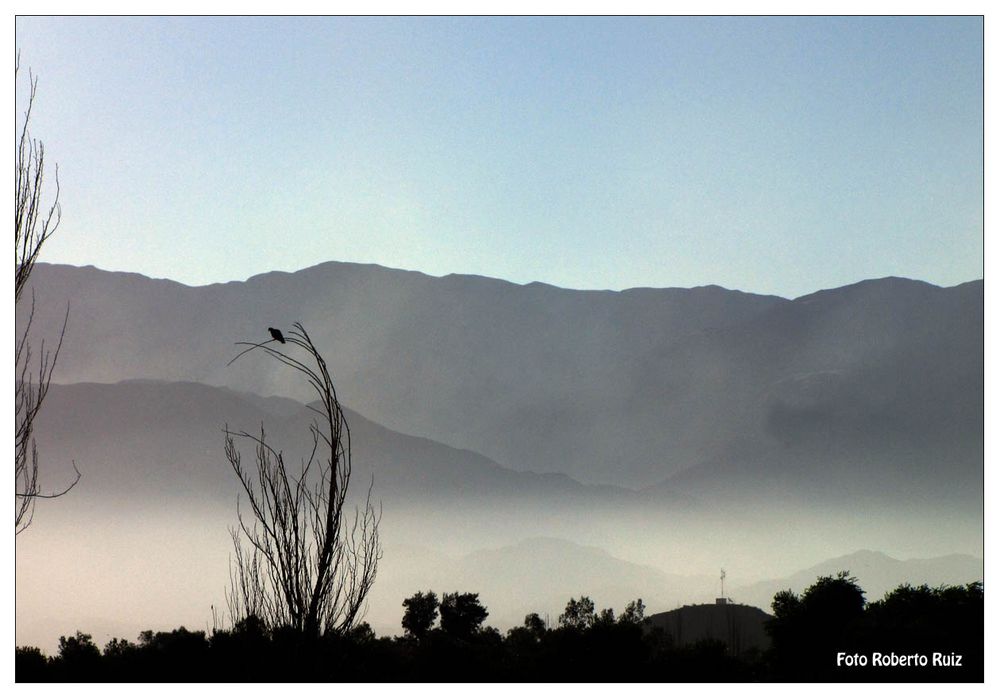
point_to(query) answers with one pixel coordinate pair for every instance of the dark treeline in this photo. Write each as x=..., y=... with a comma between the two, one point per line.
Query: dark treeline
x=445, y=640
x=892, y=639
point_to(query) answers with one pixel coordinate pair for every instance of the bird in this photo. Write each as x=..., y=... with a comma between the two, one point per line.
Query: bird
x=276, y=334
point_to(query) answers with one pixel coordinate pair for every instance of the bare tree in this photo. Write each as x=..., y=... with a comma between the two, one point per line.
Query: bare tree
x=34, y=223
x=299, y=561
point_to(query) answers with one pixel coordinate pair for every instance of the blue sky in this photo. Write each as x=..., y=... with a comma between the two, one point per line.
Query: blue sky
x=775, y=155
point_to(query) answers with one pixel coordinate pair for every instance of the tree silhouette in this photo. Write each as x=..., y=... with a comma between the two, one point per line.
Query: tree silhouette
x=831, y=616
x=30, y=665
x=535, y=625
x=914, y=619
x=946, y=620
x=579, y=614
x=462, y=614
x=78, y=649
x=421, y=612
x=606, y=617
x=834, y=600
x=299, y=562
x=34, y=223
x=807, y=631
x=635, y=613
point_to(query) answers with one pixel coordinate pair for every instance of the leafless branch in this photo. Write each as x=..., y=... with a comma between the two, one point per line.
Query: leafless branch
x=295, y=564
x=34, y=224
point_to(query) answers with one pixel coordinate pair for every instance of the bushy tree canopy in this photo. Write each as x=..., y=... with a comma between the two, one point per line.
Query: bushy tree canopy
x=421, y=612
x=462, y=614
x=579, y=614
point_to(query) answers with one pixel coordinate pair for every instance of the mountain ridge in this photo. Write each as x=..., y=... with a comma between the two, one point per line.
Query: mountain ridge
x=876, y=571
x=190, y=415
x=468, y=275
x=619, y=388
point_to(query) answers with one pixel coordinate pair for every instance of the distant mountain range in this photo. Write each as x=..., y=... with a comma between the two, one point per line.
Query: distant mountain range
x=876, y=572
x=130, y=569
x=870, y=390
x=539, y=574
x=527, y=442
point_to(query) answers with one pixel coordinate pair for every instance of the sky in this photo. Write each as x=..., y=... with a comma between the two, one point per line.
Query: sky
x=775, y=155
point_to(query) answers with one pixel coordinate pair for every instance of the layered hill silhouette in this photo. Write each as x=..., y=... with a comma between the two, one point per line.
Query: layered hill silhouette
x=876, y=572
x=145, y=443
x=538, y=574
x=163, y=441
x=873, y=387
x=527, y=442
x=158, y=496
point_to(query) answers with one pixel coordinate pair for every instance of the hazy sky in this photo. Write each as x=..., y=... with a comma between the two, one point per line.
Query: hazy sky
x=775, y=155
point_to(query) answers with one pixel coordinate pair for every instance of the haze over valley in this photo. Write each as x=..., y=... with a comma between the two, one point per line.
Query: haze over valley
x=527, y=442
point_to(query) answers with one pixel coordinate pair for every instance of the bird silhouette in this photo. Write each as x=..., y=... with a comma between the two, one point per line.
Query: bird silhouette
x=276, y=334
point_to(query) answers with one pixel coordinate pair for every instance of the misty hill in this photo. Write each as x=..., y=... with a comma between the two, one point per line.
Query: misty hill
x=161, y=441
x=876, y=572
x=148, y=525
x=875, y=389
x=538, y=574
x=881, y=380
x=153, y=445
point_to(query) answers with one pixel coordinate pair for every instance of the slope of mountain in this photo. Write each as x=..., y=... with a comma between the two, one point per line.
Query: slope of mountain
x=768, y=433
x=534, y=376
x=876, y=572
x=158, y=446
x=163, y=441
x=629, y=388
x=143, y=539
x=147, y=527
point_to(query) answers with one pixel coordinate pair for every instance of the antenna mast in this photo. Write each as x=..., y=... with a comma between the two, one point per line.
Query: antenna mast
x=722, y=584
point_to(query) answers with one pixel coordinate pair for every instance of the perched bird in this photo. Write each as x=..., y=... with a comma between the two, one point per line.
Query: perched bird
x=276, y=334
